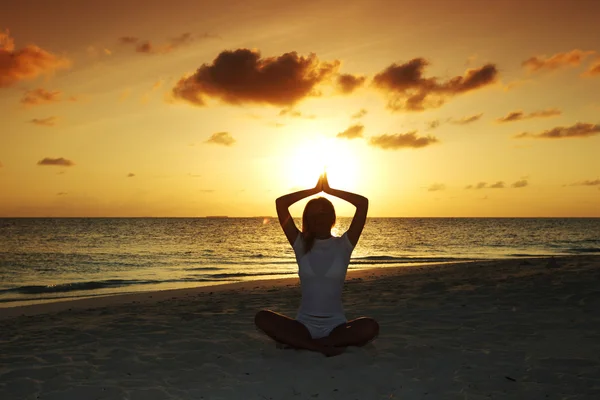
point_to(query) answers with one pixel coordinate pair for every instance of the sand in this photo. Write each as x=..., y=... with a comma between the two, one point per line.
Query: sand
x=511, y=329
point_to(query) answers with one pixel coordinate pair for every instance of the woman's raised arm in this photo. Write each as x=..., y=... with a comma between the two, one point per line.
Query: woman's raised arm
x=283, y=213
x=360, y=216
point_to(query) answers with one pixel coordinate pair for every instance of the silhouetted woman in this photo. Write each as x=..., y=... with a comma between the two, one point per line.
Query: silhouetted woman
x=323, y=259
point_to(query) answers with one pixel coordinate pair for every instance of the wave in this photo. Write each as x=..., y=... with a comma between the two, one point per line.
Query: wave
x=242, y=274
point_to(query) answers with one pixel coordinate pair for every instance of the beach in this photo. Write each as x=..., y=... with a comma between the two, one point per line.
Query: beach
x=526, y=328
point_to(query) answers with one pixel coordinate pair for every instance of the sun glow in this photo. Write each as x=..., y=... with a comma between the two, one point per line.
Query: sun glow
x=330, y=155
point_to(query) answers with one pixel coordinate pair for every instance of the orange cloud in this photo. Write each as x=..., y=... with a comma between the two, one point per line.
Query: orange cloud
x=26, y=63
x=146, y=46
x=294, y=113
x=436, y=187
x=520, y=115
x=60, y=162
x=402, y=140
x=465, y=120
x=222, y=138
x=595, y=182
x=241, y=77
x=361, y=113
x=559, y=60
x=407, y=88
x=348, y=83
x=353, y=132
x=484, y=185
x=520, y=184
x=49, y=121
x=40, y=96
x=579, y=130
x=594, y=69
x=130, y=175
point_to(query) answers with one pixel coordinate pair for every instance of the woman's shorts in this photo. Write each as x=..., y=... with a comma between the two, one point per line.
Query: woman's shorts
x=320, y=327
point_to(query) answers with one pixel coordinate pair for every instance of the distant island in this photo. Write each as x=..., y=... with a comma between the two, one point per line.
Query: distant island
x=216, y=216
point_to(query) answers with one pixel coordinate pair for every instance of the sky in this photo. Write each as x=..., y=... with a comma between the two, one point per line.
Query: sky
x=186, y=108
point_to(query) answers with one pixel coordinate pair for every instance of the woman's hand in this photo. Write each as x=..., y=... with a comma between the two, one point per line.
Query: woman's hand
x=324, y=183
x=319, y=186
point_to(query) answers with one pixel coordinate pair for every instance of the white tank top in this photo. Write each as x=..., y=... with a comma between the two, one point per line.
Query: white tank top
x=322, y=273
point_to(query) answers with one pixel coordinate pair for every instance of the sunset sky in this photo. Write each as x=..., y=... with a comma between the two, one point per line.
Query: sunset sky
x=191, y=108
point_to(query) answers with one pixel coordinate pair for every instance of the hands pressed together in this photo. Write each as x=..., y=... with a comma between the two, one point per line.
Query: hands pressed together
x=323, y=184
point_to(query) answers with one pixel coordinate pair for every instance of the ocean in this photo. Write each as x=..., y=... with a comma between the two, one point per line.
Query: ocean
x=53, y=259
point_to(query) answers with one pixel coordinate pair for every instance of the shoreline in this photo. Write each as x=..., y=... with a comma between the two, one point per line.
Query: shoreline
x=98, y=301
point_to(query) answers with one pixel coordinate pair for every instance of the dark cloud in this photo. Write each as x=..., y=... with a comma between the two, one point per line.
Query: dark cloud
x=222, y=138
x=130, y=175
x=408, y=89
x=62, y=193
x=353, y=132
x=361, y=113
x=520, y=115
x=242, y=77
x=579, y=130
x=348, y=83
x=433, y=124
x=60, y=162
x=520, y=184
x=147, y=47
x=559, y=60
x=497, y=185
x=595, y=182
x=40, y=96
x=26, y=63
x=436, y=187
x=49, y=121
x=402, y=140
x=465, y=120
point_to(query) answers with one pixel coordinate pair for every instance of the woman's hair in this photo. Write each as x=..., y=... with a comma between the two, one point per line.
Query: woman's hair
x=307, y=217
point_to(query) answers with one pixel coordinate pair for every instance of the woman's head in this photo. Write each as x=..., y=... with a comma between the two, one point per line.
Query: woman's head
x=317, y=220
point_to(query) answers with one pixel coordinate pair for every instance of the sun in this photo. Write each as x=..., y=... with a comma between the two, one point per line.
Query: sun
x=315, y=156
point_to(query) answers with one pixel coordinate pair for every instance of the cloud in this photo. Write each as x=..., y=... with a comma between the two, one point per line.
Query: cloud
x=407, y=88
x=171, y=44
x=579, y=130
x=242, y=77
x=594, y=69
x=26, y=63
x=595, y=182
x=60, y=162
x=353, y=132
x=294, y=113
x=520, y=115
x=207, y=190
x=130, y=175
x=222, y=138
x=520, y=184
x=559, y=60
x=348, y=83
x=465, y=120
x=62, y=193
x=402, y=140
x=436, y=187
x=49, y=121
x=40, y=96
x=433, y=124
x=484, y=185
x=361, y=113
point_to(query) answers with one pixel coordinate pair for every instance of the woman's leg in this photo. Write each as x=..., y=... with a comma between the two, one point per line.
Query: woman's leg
x=357, y=332
x=289, y=331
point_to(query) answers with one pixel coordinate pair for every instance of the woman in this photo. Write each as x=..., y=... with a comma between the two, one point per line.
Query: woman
x=323, y=259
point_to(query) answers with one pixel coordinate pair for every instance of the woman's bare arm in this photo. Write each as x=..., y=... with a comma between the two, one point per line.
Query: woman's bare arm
x=360, y=216
x=283, y=213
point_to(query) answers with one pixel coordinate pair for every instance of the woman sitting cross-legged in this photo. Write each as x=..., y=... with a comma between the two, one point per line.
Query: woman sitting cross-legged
x=323, y=259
